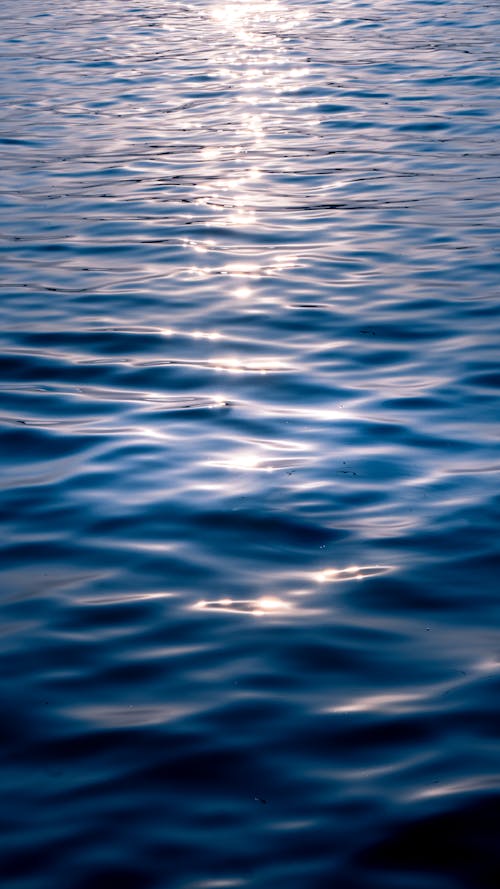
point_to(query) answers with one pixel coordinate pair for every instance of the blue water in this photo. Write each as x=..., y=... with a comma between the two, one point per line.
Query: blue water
x=249, y=394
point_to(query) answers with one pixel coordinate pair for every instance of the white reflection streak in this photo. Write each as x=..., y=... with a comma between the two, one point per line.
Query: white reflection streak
x=151, y=432
x=266, y=605
x=269, y=605
x=257, y=63
x=399, y=701
x=260, y=366
x=204, y=335
x=353, y=572
x=381, y=703
x=468, y=785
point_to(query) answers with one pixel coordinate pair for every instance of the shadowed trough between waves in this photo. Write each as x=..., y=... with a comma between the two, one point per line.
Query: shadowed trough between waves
x=249, y=410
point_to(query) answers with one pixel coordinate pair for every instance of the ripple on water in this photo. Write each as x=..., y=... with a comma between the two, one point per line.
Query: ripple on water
x=249, y=386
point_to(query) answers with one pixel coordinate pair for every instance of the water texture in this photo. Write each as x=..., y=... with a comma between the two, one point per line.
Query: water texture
x=250, y=421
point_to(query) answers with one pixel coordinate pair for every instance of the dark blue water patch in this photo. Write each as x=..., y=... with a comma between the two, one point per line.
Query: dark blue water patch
x=446, y=843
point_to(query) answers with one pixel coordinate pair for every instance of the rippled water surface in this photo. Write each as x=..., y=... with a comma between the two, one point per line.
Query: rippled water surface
x=249, y=410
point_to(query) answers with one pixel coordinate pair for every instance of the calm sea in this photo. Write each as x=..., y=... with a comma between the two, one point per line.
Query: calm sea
x=249, y=389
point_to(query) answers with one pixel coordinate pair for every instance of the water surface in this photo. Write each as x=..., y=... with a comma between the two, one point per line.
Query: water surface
x=249, y=410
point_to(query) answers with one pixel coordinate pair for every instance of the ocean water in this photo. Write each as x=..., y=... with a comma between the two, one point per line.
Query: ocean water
x=249, y=408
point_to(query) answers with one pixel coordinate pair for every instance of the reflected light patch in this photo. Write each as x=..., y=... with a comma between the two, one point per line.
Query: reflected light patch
x=264, y=456
x=245, y=462
x=451, y=788
x=112, y=716
x=328, y=415
x=196, y=246
x=258, y=607
x=211, y=153
x=149, y=432
x=240, y=14
x=254, y=174
x=292, y=826
x=241, y=217
x=243, y=293
x=242, y=269
x=235, y=365
x=385, y=703
x=353, y=572
x=428, y=698
x=202, y=335
x=270, y=605
x=252, y=124
x=216, y=884
x=489, y=666
x=125, y=598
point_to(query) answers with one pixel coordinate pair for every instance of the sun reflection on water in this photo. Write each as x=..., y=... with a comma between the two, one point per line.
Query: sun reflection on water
x=261, y=366
x=352, y=572
x=301, y=602
x=264, y=605
x=240, y=13
x=263, y=78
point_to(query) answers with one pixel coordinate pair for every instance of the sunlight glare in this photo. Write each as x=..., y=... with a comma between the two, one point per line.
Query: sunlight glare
x=352, y=572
